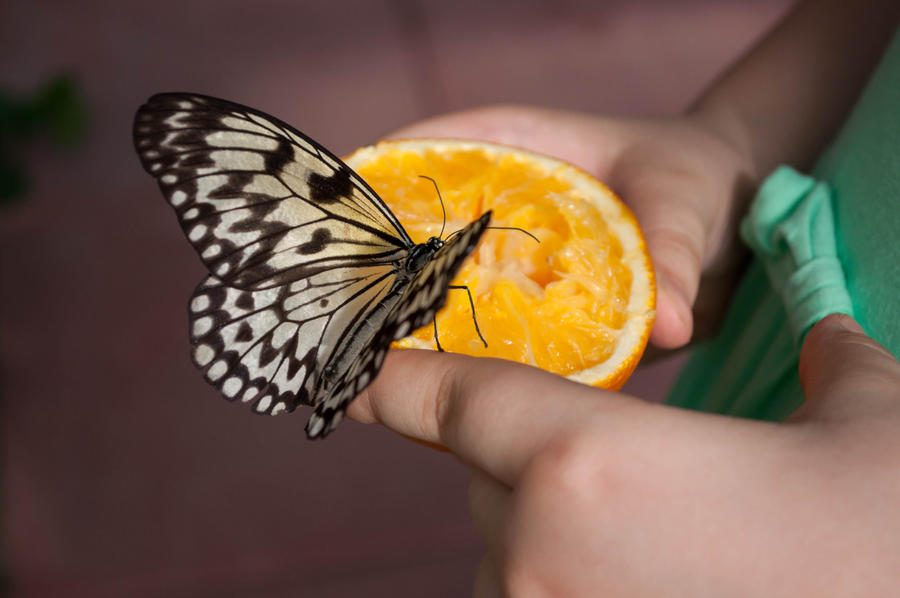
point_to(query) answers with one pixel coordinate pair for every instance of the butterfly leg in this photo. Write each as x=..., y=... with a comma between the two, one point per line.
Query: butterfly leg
x=436, y=341
x=472, y=305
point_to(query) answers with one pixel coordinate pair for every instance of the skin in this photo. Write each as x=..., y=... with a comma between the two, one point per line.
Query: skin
x=674, y=174
x=584, y=492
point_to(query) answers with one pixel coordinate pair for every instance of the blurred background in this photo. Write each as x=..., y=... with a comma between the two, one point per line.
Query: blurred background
x=123, y=472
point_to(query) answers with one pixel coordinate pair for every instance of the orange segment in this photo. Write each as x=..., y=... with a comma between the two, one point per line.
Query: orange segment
x=580, y=303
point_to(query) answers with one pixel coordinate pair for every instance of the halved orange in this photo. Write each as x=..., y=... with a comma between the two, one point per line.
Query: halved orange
x=580, y=303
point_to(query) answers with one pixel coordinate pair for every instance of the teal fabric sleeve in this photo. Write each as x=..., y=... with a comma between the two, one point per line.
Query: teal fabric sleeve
x=790, y=228
x=795, y=279
x=820, y=244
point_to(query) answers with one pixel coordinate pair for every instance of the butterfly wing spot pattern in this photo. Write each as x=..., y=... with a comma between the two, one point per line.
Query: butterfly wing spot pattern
x=311, y=276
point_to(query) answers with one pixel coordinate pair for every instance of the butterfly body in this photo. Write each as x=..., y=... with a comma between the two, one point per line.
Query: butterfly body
x=420, y=255
x=311, y=277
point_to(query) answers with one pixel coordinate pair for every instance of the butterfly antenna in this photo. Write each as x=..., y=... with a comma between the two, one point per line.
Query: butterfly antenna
x=443, y=209
x=521, y=230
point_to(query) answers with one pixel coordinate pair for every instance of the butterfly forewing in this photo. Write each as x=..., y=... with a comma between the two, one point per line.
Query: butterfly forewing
x=307, y=286
x=261, y=203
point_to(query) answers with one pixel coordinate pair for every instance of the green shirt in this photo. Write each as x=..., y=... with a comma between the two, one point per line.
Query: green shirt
x=822, y=243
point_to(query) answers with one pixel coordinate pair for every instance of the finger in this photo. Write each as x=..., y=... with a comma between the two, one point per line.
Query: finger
x=489, y=506
x=492, y=413
x=842, y=369
x=500, y=124
x=675, y=235
x=569, y=136
x=487, y=580
x=676, y=282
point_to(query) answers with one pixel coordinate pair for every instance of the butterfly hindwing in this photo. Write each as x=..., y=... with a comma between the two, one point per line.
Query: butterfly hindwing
x=266, y=346
x=416, y=306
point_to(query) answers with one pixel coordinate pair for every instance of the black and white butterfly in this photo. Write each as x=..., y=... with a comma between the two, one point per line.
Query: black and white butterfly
x=311, y=276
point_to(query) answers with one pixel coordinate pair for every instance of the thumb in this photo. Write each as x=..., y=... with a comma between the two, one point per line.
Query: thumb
x=674, y=229
x=843, y=371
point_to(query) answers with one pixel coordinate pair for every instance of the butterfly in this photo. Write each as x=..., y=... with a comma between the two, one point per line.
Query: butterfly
x=310, y=275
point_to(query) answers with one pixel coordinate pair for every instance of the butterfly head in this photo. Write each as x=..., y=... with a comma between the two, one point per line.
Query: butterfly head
x=422, y=253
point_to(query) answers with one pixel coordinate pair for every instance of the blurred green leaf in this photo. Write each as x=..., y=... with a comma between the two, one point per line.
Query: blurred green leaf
x=60, y=106
x=57, y=110
x=12, y=180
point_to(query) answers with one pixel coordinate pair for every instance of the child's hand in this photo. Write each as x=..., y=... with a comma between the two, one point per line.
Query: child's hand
x=582, y=492
x=685, y=185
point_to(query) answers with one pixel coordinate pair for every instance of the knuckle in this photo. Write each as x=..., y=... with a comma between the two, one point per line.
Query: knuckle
x=676, y=245
x=442, y=412
x=573, y=469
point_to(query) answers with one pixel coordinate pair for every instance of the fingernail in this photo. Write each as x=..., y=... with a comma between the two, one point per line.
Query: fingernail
x=673, y=296
x=848, y=323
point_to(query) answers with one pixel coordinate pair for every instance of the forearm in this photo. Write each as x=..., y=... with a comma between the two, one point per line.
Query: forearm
x=786, y=98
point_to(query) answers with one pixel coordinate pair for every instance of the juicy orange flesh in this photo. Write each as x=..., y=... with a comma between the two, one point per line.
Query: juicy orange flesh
x=557, y=304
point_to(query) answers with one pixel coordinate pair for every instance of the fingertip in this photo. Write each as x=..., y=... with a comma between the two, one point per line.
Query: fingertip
x=823, y=332
x=816, y=340
x=674, y=321
x=836, y=349
x=365, y=407
x=407, y=391
x=360, y=409
x=843, y=321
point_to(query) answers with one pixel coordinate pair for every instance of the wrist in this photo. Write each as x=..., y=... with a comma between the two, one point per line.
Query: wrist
x=724, y=123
